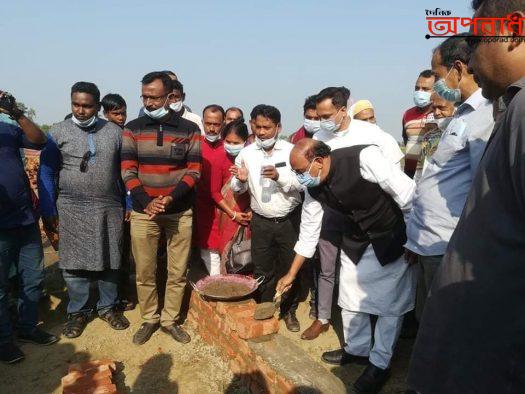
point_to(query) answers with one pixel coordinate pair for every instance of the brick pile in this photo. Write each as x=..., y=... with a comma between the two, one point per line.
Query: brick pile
x=92, y=377
x=228, y=326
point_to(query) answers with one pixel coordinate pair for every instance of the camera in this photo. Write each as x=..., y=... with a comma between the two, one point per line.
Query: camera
x=7, y=102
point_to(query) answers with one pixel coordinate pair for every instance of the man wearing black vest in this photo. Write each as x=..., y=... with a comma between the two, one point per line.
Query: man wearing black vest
x=373, y=194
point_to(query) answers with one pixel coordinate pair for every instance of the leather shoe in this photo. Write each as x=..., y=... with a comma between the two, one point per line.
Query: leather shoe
x=10, y=353
x=292, y=324
x=341, y=357
x=372, y=379
x=144, y=333
x=316, y=329
x=38, y=337
x=178, y=333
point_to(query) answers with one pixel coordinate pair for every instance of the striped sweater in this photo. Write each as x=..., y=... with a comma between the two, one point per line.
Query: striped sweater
x=161, y=158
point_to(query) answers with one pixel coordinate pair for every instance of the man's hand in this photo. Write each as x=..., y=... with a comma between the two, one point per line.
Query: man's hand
x=285, y=283
x=241, y=173
x=270, y=172
x=127, y=216
x=410, y=257
x=158, y=206
x=51, y=229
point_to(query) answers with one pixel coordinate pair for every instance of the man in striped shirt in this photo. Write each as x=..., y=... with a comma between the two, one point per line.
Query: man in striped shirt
x=161, y=163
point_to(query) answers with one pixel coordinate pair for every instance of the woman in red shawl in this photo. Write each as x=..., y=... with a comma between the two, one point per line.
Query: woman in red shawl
x=233, y=209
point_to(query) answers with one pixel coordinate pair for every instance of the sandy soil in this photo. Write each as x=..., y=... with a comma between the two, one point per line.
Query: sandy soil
x=161, y=365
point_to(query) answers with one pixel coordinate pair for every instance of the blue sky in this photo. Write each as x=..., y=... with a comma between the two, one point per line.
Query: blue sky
x=239, y=53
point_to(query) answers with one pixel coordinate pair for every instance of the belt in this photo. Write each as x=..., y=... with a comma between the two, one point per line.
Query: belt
x=281, y=219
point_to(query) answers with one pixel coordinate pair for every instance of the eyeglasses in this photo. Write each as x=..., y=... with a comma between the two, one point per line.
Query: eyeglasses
x=89, y=154
x=307, y=168
x=152, y=98
x=84, y=162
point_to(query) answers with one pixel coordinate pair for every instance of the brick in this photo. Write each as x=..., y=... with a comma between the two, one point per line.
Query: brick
x=87, y=386
x=225, y=308
x=248, y=328
x=92, y=364
x=284, y=386
x=74, y=378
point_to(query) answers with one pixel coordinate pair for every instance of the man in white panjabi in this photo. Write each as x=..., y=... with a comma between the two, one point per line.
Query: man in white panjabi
x=373, y=194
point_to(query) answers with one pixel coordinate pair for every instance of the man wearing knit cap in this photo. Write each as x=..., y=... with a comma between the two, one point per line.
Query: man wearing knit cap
x=363, y=110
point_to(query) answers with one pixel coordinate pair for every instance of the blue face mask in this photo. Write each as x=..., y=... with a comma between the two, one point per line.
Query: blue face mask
x=449, y=94
x=421, y=98
x=307, y=180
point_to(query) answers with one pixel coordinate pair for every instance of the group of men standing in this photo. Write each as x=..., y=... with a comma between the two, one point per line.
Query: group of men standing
x=450, y=223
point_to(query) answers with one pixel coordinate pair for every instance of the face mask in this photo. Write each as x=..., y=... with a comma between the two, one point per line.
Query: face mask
x=157, y=114
x=308, y=180
x=213, y=137
x=84, y=123
x=421, y=98
x=233, y=149
x=329, y=125
x=312, y=126
x=443, y=123
x=449, y=94
x=265, y=144
x=176, y=107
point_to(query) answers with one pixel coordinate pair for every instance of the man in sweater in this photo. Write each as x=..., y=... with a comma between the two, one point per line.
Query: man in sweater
x=161, y=164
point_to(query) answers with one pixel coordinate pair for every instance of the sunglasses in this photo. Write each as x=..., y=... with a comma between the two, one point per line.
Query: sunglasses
x=84, y=162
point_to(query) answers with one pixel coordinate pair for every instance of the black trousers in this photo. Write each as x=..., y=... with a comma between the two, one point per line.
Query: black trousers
x=272, y=255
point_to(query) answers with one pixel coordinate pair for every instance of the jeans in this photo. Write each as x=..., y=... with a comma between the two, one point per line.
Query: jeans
x=21, y=248
x=78, y=284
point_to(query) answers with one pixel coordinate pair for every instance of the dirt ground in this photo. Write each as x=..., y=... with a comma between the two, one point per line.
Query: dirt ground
x=161, y=365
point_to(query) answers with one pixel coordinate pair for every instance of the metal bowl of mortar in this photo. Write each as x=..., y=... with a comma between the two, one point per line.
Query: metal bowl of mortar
x=227, y=287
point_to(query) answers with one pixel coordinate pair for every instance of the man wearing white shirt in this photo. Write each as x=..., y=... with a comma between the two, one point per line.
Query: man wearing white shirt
x=263, y=170
x=331, y=102
x=373, y=194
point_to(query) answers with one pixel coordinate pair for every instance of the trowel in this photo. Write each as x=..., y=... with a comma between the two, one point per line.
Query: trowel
x=266, y=310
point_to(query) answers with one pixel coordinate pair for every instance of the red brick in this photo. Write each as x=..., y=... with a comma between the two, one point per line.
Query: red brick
x=74, y=379
x=225, y=308
x=269, y=375
x=92, y=364
x=284, y=386
x=248, y=328
x=87, y=386
x=107, y=389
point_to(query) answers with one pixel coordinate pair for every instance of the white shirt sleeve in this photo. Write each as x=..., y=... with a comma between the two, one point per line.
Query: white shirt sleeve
x=376, y=168
x=310, y=230
x=237, y=186
x=288, y=181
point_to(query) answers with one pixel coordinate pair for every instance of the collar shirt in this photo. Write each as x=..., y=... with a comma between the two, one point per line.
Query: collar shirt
x=286, y=194
x=193, y=118
x=363, y=133
x=375, y=168
x=443, y=187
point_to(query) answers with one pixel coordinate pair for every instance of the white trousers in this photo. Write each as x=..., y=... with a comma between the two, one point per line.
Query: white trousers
x=212, y=261
x=358, y=336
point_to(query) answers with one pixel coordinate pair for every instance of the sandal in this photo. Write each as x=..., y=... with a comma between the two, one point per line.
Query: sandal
x=75, y=325
x=115, y=319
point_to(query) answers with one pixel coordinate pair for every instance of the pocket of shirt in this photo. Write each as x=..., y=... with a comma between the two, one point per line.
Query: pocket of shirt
x=451, y=142
x=178, y=151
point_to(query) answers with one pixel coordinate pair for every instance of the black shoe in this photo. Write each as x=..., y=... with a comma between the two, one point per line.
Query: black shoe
x=292, y=324
x=372, y=379
x=115, y=319
x=38, y=337
x=75, y=325
x=341, y=357
x=178, y=333
x=10, y=353
x=144, y=333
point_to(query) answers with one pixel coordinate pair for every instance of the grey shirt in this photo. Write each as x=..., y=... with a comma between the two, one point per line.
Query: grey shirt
x=472, y=334
x=444, y=185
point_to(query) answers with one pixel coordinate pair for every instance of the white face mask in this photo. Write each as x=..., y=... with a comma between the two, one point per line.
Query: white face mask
x=312, y=126
x=329, y=125
x=177, y=107
x=213, y=137
x=443, y=123
x=159, y=113
x=233, y=149
x=84, y=123
x=265, y=144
